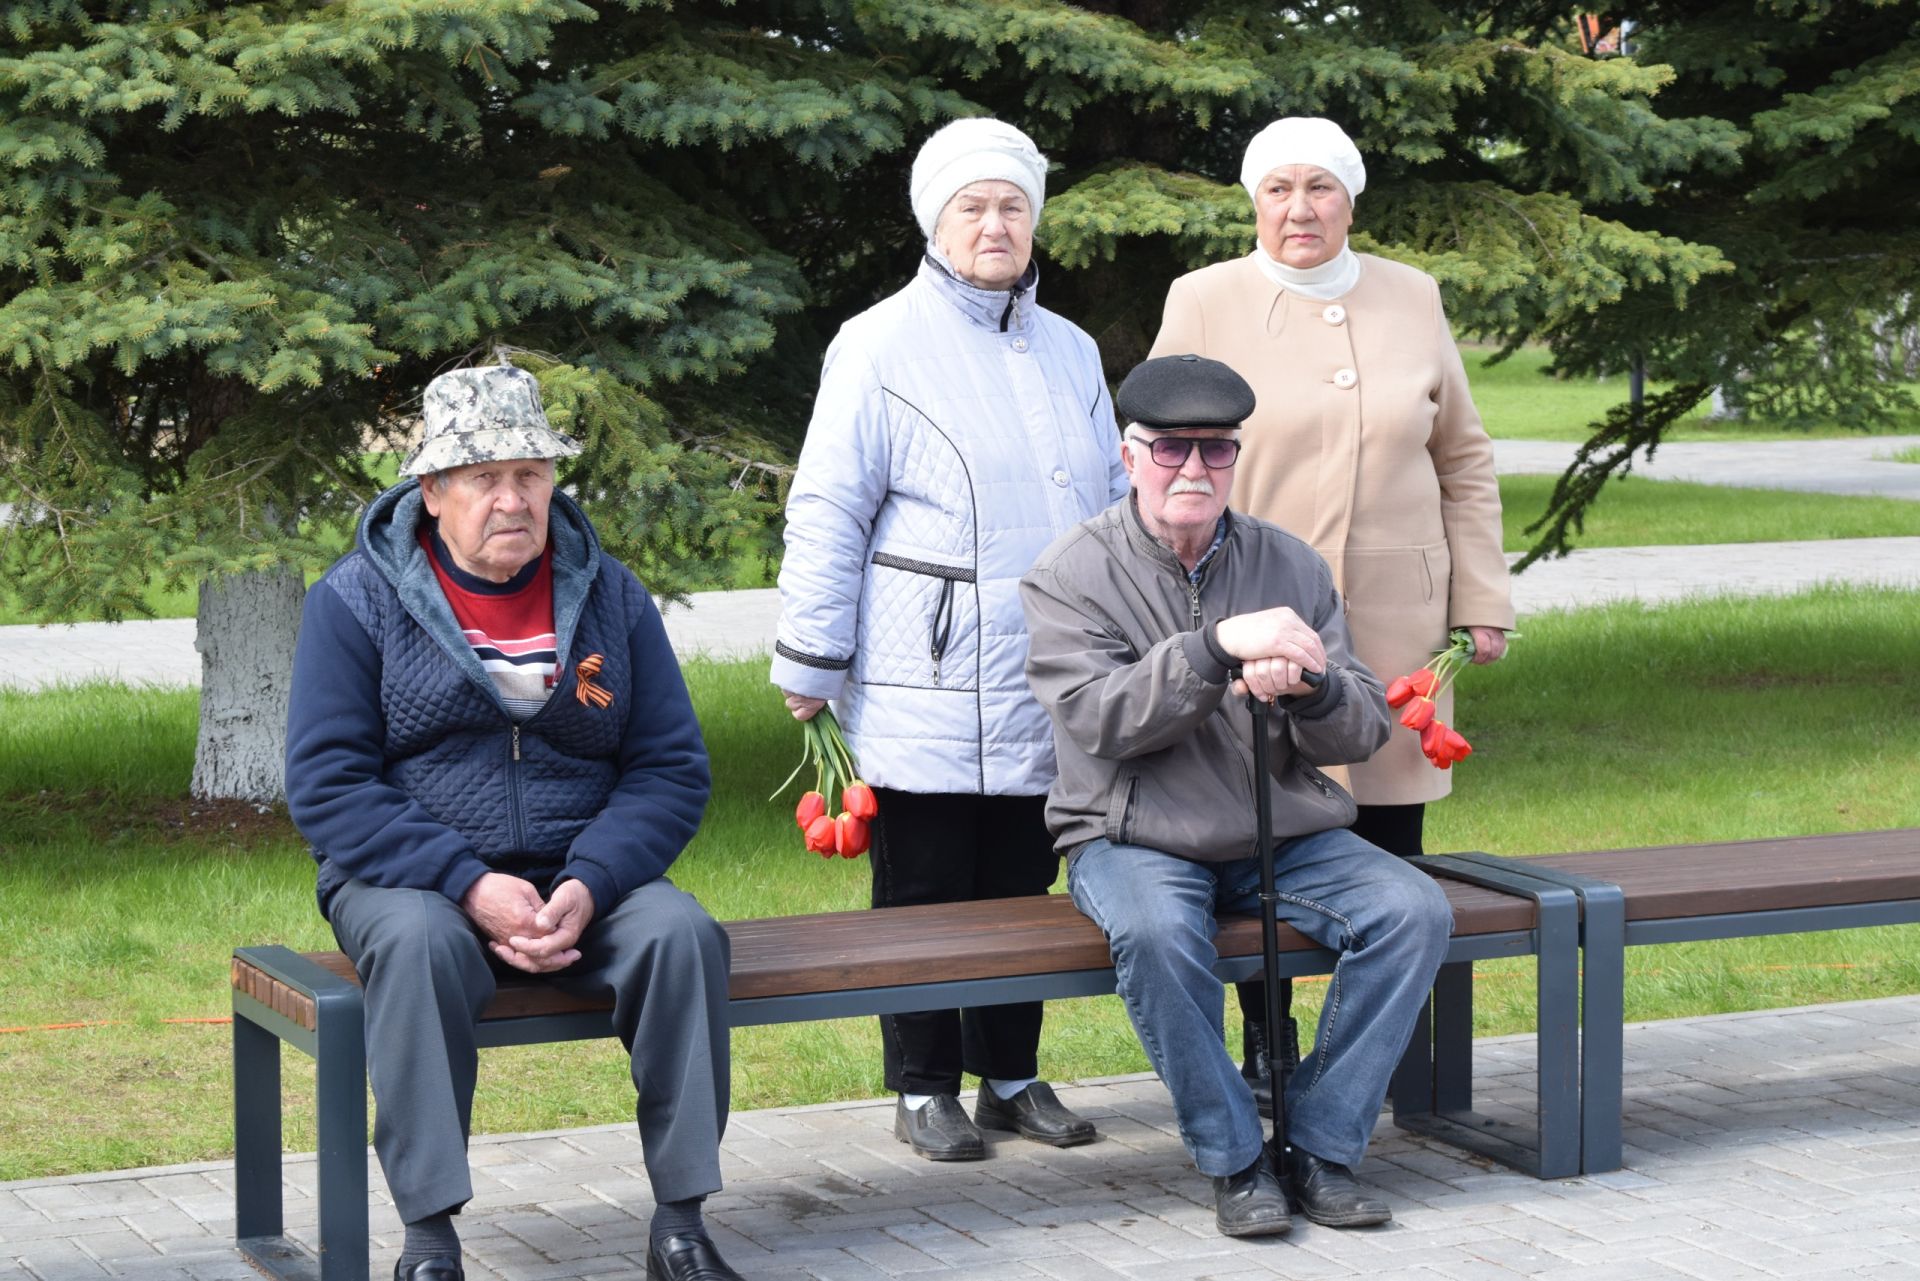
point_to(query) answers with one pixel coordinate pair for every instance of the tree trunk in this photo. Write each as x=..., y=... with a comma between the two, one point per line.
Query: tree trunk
x=247, y=624
x=1726, y=408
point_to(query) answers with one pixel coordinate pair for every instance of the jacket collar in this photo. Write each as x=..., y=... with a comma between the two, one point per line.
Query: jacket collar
x=390, y=537
x=1143, y=541
x=1002, y=311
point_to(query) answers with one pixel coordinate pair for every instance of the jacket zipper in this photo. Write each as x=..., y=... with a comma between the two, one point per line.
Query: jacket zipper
x=941, y=628
x=513, y=795
x=1012, y=312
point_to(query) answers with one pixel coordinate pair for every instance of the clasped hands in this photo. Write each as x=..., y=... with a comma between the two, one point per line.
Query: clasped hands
x=525, y=931
x=1274, y=647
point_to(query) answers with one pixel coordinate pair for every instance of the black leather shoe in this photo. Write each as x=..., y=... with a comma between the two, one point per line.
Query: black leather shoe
x=1034, y=1113
x=939, y=1131
x=1250, y=1203
x=1328, y=1194
x=438, y=1268
x=1253, y=1046
x=688, y=1258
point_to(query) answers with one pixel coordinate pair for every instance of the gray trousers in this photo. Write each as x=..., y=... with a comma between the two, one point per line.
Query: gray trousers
x=657, y=954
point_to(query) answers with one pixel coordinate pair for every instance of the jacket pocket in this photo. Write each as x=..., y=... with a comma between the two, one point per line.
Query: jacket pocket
x=1120, y=810
x=918, y=624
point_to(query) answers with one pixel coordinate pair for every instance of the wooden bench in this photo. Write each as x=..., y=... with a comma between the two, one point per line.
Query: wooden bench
x=846, y=964
x=1689, y=893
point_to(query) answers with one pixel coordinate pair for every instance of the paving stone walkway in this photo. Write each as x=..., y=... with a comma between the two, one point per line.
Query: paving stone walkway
x=1783, y=1143
x=741, y=624
x=1852, y=465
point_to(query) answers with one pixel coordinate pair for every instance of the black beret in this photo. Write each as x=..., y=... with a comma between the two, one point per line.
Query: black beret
x=1184, y=391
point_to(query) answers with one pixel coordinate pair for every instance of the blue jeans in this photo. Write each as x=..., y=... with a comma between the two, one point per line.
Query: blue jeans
x=1388, y=921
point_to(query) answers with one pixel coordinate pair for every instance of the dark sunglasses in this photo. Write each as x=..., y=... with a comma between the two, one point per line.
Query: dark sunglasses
x=1216, y=453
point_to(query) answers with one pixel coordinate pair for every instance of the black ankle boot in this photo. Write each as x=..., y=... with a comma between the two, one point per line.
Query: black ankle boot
x=1253, y=1048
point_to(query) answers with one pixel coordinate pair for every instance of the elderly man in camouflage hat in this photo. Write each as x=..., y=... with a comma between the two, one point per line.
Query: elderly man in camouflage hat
x=1142, y=618
x=492, y=752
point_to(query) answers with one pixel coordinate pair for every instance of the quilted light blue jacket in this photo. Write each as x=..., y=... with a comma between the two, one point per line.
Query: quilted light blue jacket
x=957, y=433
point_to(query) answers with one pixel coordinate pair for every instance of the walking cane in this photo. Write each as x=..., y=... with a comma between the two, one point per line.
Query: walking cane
x=1269, y=925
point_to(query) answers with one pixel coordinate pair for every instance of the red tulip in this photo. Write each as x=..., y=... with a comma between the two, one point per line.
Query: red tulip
x=1399, y=692
x=1433, y=738
x=858, y=801
x=850, y=835
x=1458, y=745
x=1419, y=712
x=1423, y=681
x=820, y=838
x=812, y=805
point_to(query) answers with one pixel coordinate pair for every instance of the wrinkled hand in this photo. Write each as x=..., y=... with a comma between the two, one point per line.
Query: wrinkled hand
x=1489, y=644
x=802, y=707
x=1269, y=678
x=524, y=931
x=558, y=924
x=1274, y=646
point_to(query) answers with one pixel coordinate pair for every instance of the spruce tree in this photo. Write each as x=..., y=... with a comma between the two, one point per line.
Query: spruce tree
x=236, y=240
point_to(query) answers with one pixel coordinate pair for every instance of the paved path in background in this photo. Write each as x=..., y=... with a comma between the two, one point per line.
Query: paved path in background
x=741, y=624
x=1784, y=1143
x=1849, y=466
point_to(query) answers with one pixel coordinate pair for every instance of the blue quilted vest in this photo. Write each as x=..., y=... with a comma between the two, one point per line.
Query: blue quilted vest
x=519, y=793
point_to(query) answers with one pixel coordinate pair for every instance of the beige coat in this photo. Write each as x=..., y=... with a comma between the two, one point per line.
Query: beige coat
x=1365, y=443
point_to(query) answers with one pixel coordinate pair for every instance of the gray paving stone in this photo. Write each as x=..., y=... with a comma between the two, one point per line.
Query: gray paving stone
x=1770, y=1144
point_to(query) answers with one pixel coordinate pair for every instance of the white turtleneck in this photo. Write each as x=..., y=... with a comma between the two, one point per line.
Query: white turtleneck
x=1327, y=281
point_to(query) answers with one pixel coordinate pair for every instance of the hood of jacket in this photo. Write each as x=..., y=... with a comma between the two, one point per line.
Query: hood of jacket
x=389, y=535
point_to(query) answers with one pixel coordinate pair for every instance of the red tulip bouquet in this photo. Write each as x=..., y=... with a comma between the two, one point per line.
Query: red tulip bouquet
x=825, y=748
x=1416, y=695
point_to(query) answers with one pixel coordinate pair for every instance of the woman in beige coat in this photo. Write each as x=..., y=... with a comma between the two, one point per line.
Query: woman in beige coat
x=1365, y=441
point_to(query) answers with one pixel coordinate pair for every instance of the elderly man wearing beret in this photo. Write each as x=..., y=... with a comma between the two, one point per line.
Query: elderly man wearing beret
x=1141, y=619
x=492, y=752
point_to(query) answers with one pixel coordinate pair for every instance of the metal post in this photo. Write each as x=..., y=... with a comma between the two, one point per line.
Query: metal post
x=1453, y=1038
x=340, y=1094
x=257, y=1208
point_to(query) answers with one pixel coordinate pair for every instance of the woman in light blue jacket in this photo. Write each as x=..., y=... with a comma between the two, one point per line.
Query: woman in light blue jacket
x=959, y=428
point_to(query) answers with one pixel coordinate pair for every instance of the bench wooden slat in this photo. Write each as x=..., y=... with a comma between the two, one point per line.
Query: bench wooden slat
x=1662, y=882
x=895, y=946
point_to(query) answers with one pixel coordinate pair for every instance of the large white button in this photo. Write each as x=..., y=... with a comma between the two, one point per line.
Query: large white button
x=1345, y=378
x=1335, y=315
x=1019, y=344
x=1061, y=478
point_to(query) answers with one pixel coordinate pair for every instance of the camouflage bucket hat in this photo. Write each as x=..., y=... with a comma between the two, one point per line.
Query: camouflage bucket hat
x=484, y=415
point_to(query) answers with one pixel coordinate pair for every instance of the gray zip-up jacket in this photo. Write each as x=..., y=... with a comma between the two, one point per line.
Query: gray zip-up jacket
x=1152, y=748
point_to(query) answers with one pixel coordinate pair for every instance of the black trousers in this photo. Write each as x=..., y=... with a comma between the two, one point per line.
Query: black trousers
x=1397, y=829
x=952, y=848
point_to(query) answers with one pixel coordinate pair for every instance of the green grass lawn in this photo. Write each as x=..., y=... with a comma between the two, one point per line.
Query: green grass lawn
x=1519, y=402
x=1636, y=512
x=1605, y=728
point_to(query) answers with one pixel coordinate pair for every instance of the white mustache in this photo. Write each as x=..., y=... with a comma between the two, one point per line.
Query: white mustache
x=1181, y=485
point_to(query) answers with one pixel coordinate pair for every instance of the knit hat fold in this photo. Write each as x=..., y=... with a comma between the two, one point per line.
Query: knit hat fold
x=1304, y=140
x=974, y=150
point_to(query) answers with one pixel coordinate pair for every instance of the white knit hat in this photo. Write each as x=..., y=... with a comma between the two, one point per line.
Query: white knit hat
x=973, y=150
x=1304, y=140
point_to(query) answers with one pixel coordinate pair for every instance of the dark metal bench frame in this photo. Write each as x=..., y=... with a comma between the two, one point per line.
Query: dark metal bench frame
x=1431, y=1089
x=1605, y=933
